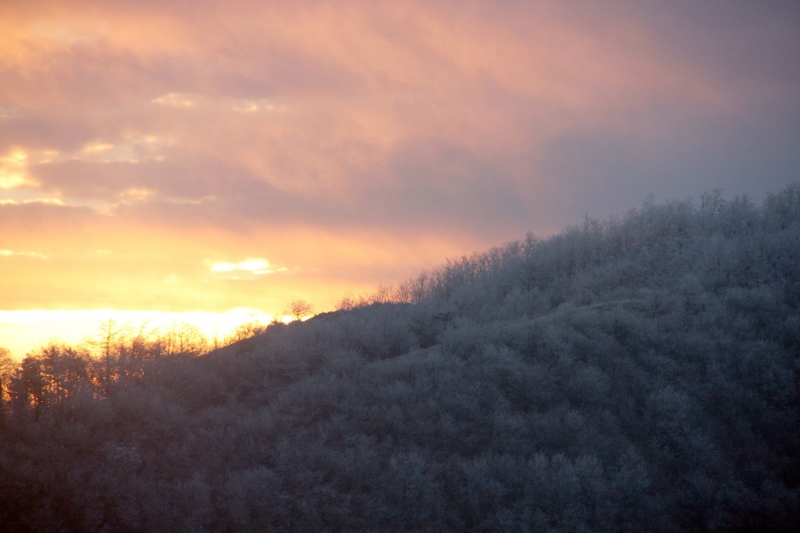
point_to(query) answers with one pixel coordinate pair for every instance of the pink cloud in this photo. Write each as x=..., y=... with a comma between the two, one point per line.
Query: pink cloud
x=457, y=123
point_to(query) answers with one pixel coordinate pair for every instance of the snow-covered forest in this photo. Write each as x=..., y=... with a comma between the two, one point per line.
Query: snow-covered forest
x=640, y=373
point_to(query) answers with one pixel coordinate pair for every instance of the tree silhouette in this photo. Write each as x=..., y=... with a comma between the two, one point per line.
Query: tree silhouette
x=7, y=367
x=300, y=309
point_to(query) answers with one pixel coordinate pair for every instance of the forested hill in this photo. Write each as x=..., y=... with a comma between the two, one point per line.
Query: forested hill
x=640, y=373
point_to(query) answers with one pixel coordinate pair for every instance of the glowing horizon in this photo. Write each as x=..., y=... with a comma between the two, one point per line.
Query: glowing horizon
x=34, y=328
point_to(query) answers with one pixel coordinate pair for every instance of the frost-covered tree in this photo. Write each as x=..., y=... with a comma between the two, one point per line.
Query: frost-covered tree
x=638, y=373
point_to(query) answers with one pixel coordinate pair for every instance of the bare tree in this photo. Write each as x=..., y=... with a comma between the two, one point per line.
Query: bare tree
x=347, y=302
x=247, y=330
x=7, y=367
x=300, y=309
x=107, y=341
x=183, y=339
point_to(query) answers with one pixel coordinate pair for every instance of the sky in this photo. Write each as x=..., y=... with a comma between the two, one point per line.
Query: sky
x=230, y=157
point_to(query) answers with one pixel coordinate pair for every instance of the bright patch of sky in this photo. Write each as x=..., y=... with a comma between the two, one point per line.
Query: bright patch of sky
x=13, y=170
x=9, y=253
x=252, y=265
x=22, y=331
x=178, y=100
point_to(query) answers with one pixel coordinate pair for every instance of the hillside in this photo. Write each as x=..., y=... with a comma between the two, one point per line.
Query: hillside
x=640, y=373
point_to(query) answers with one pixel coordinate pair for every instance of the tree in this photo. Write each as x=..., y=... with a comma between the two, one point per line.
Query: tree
x=7, y=367
x=28, y=387
x=183, y=339
x=248, y=330
x=65, y=371
x=107, y=341
x=300, y=309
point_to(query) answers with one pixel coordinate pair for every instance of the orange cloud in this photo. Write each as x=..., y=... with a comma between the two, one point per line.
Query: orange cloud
x=358, y=143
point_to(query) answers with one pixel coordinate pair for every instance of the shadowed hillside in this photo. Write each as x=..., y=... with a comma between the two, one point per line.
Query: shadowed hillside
x=640, y=373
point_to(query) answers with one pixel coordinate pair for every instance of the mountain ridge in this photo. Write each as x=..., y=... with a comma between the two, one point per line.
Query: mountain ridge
x=636, y=374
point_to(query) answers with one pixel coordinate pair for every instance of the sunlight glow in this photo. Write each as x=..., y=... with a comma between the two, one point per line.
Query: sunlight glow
x=178, y=100
x=129, y=150
x=23, y=331
x=257, y=266
x=8, y=253
x=97, y=147
x=13, y=170
x=252, y=106
x=136, y=194
x=46, y=201
x=12, y=180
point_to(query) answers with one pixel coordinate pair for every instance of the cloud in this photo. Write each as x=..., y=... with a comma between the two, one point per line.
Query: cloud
x=178, y=100
x=249, y=267
x=242, y=105
x=14, y=170
x=361, y=142
x=252, y=106
x=45, y=201
x=10, y=253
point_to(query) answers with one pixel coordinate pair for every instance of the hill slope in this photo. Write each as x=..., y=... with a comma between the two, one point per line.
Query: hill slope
x=634, y=374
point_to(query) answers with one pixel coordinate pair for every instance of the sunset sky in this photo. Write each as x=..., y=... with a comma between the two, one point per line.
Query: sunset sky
x=197, y=156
